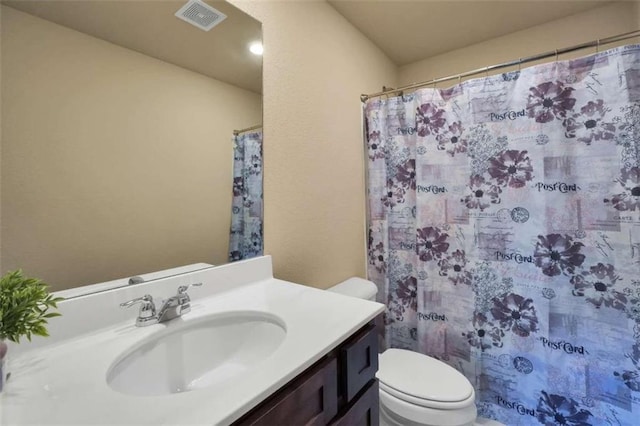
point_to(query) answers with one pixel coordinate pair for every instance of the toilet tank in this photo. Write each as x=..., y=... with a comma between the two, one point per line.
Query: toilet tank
x=356, y=287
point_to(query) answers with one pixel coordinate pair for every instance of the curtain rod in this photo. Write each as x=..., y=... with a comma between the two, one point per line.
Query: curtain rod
x=520, y=61
x=248, y=129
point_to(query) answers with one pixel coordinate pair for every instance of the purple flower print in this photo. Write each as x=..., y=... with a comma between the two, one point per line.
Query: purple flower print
x=407, y=293
x=633, y=309
x=238, y=186
x=485, y=335
x=450, y=92
x=629, y=128
x=255, y=165
x=634, y=356
x=597, y=285
x=589, y=125
x=555, y=410
x=247, y=200
x=516, y=313
x=429, y=120
x=402, y=299
x=431, y=243
x=512, y=168
x=452, y=141
x=556, y=254
x=235, y=256
x=376, y=257
x=454, y=268
x=632, y=378
x=482, y=195
x=374, y=146
x=549, y=101
x=395, y=194
x=395, y=310
x=629, y=198
x=406, y=174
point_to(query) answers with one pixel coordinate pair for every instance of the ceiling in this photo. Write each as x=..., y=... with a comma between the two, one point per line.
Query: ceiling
x=406, y=31
x=150, y=27
x=409, y=31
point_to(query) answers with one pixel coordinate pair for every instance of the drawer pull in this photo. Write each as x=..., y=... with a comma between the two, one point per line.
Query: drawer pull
x=368, y=360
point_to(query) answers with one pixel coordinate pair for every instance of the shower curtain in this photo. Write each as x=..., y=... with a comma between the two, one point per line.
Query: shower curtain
x=246, y=239
x=504, y=235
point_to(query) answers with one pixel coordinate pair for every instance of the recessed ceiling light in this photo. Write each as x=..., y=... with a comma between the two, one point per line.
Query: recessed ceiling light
x=256, y=48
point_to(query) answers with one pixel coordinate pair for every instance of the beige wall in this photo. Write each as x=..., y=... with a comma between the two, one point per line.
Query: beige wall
x=110, y=158
x=315, y=67
x=590, y=25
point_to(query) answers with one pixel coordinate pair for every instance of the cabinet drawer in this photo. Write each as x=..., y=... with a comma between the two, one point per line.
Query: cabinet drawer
x=359, y=361
x=309, y=400
x=364, y=411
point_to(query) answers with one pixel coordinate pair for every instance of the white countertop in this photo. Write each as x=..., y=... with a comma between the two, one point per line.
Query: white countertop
x=65, y=382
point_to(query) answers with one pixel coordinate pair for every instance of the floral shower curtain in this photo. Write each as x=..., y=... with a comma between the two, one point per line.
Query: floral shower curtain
x=246, y=209
x=504, y=235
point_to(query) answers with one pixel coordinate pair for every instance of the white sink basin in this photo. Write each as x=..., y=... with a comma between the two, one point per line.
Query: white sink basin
x=197, y=354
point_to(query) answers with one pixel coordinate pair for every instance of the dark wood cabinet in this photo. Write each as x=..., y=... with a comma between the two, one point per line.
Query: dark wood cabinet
x=363, y=411
x=338, y=390
x=358, y=361
x=310, y=399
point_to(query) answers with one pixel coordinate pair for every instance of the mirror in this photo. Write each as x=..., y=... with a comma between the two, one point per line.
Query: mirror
x=117, y=136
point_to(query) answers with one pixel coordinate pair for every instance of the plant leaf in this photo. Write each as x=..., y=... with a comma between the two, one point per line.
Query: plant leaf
x=25, y=306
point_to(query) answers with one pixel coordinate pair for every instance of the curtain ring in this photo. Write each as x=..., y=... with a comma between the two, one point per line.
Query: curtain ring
x=486, y=71
x=519, y=64
x=459, y=78
x=556, y=55
x=598, y=46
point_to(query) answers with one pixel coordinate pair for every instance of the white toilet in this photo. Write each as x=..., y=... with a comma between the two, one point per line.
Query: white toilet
x=415, y=389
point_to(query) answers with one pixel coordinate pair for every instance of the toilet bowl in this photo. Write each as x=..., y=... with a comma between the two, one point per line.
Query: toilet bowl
x=415, y=389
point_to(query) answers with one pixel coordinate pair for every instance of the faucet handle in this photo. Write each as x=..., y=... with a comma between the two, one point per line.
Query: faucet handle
x=184, y=301
x=147, y=313
x=183, y=288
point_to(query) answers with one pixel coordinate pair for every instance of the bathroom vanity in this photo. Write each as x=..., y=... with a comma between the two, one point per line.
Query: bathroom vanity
x=253, y=350
x=340, y=389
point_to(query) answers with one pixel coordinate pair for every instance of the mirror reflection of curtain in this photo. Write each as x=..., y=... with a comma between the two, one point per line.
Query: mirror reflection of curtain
x=246, y=239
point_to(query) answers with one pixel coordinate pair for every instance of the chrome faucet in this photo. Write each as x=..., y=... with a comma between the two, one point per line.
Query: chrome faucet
x=172, y=307
x=147, y=314
x=176, y=305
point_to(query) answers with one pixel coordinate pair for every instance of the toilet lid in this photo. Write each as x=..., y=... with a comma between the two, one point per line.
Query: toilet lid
x=422, y=377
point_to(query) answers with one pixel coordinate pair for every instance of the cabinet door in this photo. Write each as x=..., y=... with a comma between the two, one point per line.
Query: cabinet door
x=364, y=411
x=359, y=362
x=310, y=400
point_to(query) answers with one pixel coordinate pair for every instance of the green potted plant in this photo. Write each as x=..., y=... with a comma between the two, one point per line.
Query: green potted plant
x=25, y=307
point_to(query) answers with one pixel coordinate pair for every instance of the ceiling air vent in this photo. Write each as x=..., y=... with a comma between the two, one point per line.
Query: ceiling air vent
x=200, y=14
